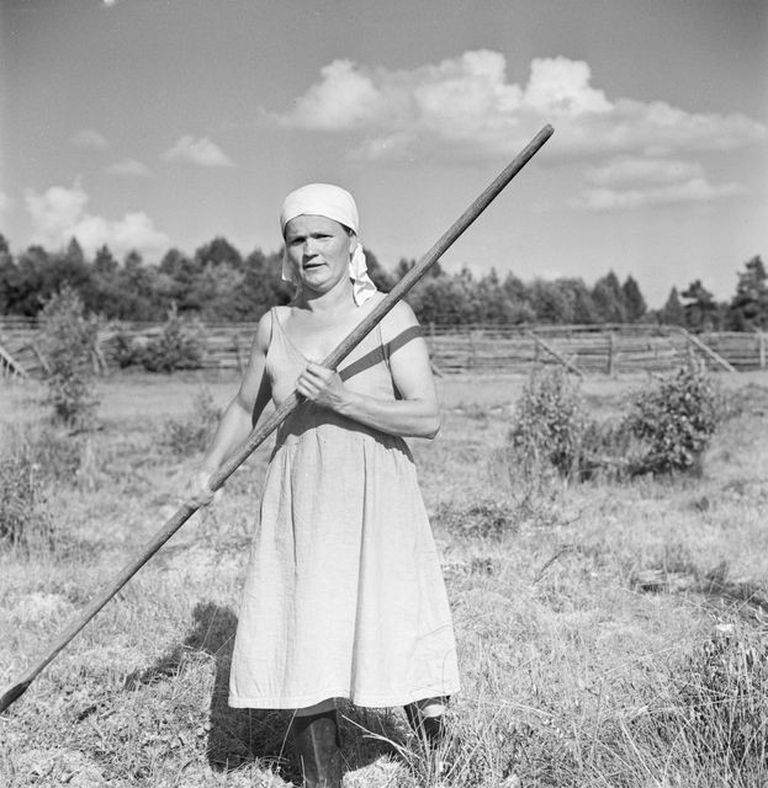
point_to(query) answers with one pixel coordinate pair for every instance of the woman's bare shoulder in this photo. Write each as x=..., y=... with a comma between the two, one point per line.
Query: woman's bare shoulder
x=263, y=334
x=398, y=319
x=282, y=310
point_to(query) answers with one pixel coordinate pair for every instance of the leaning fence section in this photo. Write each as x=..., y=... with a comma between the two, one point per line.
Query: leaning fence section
x=20, y=355
x=583, y=349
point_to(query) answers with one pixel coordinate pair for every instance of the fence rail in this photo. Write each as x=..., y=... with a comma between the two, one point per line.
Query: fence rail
x=585, y=349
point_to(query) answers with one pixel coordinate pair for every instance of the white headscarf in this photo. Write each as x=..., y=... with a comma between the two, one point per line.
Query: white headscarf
x=333, y=202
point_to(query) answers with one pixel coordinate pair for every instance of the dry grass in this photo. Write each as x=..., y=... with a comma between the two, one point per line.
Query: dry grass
x=576, y=671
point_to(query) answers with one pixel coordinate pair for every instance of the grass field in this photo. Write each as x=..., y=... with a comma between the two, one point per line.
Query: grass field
x=609, y=635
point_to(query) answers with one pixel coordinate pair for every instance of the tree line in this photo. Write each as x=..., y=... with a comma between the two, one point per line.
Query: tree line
x=218, y=284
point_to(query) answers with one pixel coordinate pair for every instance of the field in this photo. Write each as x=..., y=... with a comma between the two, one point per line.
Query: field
x=609, y=635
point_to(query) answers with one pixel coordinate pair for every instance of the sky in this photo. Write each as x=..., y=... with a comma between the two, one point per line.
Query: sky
x=155, y=123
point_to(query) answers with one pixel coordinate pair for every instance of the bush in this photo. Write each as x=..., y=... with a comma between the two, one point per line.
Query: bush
x=186, y=436
x=30, y=461
x=676, y=421
x=125, y=351
x=550, y=424
x=667, y=429
x=179, y=346
x=21, y=497
x=68, y=345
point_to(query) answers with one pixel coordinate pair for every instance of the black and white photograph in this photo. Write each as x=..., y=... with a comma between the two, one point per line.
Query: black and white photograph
x=384, y=393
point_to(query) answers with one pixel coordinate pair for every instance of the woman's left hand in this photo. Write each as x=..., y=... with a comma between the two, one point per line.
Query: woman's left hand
x=322, y=386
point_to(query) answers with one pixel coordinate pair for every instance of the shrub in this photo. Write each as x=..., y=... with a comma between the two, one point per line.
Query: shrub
x=179, y=346
x=192, y=434
x=676, y=421
x=68, y=345
x=609, y=451
x=125, y=351
x=21, y=496
x=550, y=424
x=30, y=460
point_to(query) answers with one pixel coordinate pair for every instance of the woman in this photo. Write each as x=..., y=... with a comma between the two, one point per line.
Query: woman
x=344, y=596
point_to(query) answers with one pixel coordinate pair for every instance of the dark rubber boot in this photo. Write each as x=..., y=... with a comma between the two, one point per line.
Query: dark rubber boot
x=430, y=730
x=317, y=747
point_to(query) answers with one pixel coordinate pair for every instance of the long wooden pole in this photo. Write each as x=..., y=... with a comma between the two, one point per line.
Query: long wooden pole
x=261, y=432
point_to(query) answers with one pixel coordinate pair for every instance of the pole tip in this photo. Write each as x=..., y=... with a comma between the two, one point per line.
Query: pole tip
x=12, y=694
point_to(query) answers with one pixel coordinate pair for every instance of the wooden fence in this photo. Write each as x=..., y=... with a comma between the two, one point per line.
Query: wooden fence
x=591, y=349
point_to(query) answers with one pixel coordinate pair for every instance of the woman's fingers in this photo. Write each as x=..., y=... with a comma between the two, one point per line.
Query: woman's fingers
x=320, y=385
x=318, y=370
x=313, y=380
x=317, y=375
x=306, y=388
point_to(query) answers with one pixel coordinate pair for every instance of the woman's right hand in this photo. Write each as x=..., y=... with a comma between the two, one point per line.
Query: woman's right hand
x=199, y=492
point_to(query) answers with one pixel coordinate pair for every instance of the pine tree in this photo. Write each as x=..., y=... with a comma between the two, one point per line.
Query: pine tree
x=104, y=263
x=749, y=307
x=609, y=299
x=701, y=309
x=672, y=313
x=633, y=298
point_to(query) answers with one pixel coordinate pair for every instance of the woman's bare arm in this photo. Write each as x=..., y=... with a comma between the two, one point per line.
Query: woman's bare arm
x=246, y=407
x=416, y=414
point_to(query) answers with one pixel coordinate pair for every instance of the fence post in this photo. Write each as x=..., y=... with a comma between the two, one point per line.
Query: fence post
x=691, y=356
x=611, y=349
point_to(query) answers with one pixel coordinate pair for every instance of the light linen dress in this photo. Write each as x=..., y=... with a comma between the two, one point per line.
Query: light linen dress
x=344, y=596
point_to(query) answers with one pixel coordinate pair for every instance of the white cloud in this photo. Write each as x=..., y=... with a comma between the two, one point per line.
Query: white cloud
x=628, y=183
x=5, y=203
x=129, y=168
x=89, y=138
x=627, y=169
x=344, y=98
x=202, y=152
x=61, y=213
x=559, y=86
x=693, y=190
x=466, y=106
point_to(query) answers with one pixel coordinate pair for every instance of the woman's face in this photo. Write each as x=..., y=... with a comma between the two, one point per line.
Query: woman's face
x=319, y=250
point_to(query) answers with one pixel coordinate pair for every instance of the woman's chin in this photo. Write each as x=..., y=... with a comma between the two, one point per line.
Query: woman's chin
x=321, y=283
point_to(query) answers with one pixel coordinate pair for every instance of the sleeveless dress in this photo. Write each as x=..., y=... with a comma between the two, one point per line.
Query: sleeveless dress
x=344, y=595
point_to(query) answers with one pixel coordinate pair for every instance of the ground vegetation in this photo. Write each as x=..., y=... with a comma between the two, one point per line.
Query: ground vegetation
x=610, y=632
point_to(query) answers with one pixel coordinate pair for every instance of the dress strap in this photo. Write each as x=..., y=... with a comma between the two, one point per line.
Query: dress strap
x=279, y=334
x=273, y=315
